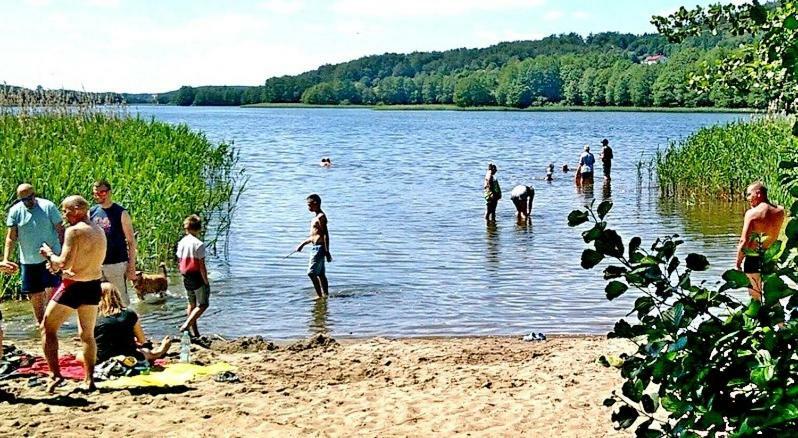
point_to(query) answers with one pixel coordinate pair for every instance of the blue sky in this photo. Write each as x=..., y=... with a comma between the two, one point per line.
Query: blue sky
x=156, y=46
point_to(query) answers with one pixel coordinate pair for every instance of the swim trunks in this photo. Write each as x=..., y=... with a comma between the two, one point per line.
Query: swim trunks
x=752, y=264
x=316, y=262
x=36, y=278
x=78, y=293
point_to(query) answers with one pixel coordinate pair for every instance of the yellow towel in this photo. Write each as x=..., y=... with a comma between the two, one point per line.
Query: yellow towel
x=174, y=374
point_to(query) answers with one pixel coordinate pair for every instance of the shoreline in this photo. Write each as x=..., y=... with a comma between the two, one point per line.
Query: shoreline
x=545, y=108
x=485, y=386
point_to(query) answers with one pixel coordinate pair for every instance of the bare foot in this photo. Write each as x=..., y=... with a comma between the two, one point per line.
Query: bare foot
x=54, y=382
x=86, y=387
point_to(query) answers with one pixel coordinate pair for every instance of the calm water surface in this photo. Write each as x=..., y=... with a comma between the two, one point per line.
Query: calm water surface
x=412, y=255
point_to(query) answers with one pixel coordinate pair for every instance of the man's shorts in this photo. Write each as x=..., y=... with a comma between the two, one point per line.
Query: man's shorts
x=36, y=278
x=199, y=297
x=316, y=262
x=116, y=274
x=607, y=168
x=752, y=264
x=78, y=293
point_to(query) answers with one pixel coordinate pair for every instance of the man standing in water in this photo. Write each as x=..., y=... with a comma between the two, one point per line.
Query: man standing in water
x=762, y=219
x=81, y=262
x=584, y=173
x=120, y=260
x=31, y=222
x=606, y=158
x=320, y=249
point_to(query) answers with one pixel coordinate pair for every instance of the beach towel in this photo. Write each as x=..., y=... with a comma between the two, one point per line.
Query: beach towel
x=71, y=368
x=174, y=374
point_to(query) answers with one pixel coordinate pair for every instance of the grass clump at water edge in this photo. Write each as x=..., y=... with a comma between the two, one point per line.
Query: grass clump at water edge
x=721, y=161
x=160, y=172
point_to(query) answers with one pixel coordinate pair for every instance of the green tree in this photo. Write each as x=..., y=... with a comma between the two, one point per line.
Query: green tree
x=184, y=96
x=474, y=90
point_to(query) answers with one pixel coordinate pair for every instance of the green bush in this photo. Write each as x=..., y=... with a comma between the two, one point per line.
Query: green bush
x=160, y=172
x=706, y=363
x=721, y=161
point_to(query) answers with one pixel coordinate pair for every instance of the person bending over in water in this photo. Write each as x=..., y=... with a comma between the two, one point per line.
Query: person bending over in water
x=584, y=173
x=118, y=330
x=492, y=192
x=320, y=249
x=81, y=260
x=765, y=219
x=522, y=197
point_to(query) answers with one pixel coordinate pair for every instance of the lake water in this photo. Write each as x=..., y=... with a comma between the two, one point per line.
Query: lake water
x=412, y=255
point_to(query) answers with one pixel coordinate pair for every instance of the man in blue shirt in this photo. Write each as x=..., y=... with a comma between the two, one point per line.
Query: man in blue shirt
x=33, y=221
x=584, y=173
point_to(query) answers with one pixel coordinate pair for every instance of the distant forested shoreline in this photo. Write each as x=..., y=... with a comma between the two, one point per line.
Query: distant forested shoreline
x=603, y=70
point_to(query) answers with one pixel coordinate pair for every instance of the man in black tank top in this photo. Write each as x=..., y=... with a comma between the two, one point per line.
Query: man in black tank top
x=120, y=257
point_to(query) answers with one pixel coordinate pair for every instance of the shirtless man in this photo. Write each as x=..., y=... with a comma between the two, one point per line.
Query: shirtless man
x=81, y=262
x=320, y=249
x=762, y=218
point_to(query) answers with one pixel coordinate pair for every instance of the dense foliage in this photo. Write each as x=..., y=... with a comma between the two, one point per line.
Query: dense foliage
x=767, y=64
x=160, y=172
x=721, y=161
x=606, y=69
x=707, y=362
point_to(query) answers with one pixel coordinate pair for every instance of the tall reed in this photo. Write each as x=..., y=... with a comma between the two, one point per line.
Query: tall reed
x=721, y=161
x=160, y=172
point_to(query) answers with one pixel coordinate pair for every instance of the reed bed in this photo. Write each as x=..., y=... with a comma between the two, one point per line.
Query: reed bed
x=160, y=172
x=721, y=161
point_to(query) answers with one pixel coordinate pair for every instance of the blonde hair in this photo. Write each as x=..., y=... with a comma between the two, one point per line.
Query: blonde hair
x=193, y=223
x=75, y=201
x=110, y=301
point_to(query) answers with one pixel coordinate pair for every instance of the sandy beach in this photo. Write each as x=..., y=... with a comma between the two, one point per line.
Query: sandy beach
x=482, y=386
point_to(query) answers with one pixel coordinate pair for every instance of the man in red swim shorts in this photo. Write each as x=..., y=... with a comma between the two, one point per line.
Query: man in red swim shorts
x=81, y=262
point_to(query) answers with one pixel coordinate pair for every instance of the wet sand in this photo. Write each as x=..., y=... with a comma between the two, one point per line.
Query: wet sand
x=482, y=386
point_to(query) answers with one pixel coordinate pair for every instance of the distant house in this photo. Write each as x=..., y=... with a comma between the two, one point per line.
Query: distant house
x=654, y=59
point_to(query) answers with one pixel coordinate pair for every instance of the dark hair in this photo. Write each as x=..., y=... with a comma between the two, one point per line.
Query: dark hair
x=315, y=198
x=605, y=141
x=193, y=223
x=102, y=183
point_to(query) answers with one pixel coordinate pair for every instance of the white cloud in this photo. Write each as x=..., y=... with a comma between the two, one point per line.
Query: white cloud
x=283, y=7
x=37, y=3
x=427, y=8
x=553, y=15
x=103, y=3
x=580, y=15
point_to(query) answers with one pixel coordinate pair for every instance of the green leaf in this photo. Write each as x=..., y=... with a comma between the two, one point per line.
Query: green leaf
x=650, y=261
x=604, y=208
x=791, y=22
x=591, y=258
x=753, y=308
x=633, y=390
x=773, y=251
x=792, y=228
x=736, y=279
x=674, y=405
x=625, y=416
x=593, y=233
x=643, y=306
x=610, y=243
x=609, y=402
x=774, y=289
x=577, y=217
x=611, y=272
x=678, y=345
x=673, y=315
x=762, y=374
x=615, y=289
x=672, y=265
x=696, y=262
x=650, y=403
x=622, y=329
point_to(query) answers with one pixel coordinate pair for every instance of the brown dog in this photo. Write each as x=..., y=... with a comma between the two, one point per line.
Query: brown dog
x=145, y=284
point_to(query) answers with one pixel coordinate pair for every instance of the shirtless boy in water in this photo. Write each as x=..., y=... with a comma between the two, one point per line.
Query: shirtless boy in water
x=320, y=249
x=762, y=218
x=81, y=262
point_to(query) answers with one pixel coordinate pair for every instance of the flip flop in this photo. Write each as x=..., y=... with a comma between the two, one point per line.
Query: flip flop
x=227, y=377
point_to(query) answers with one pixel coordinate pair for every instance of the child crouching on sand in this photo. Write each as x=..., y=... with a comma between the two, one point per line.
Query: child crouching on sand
x=191, y=258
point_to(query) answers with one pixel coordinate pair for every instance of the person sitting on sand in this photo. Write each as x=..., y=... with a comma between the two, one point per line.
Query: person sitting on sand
x=118, y=330
x=81, y=261
x=522, y=197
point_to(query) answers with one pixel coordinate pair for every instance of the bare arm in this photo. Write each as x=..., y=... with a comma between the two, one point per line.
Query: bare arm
x=529, y=201
x=11, y=239
x=743, y=240
x=138, y=333
x=68, y=251
x=326, y=239
x=203, y=271
x=132, y=249
x=59, y=229
x=302, y=245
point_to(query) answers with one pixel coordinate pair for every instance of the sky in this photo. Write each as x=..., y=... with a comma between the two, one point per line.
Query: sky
x=143, y=46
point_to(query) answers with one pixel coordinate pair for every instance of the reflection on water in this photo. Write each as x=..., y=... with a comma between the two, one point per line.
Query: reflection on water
x=412, y=253
x=606, y=190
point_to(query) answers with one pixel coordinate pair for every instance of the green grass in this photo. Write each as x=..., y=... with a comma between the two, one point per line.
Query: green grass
x=721, y=161
x=160, y=172
x=450, y=107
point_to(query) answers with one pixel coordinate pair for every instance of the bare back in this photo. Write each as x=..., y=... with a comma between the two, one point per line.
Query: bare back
x=764, y=219
x=85, y=243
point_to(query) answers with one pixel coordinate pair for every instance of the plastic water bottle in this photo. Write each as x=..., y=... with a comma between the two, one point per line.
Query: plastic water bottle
x=185, y=348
